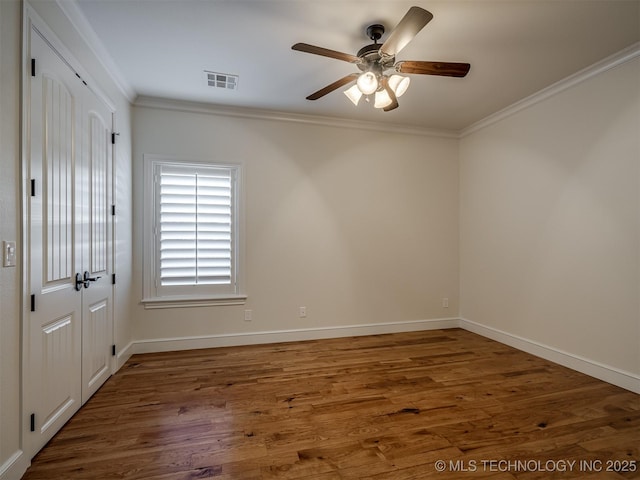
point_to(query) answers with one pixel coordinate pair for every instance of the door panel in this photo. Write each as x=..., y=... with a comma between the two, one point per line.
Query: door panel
x=99, y=196
x=58, y=357
x=96, y=315
x=96, y=364
x=58, y=162
x=53, y=329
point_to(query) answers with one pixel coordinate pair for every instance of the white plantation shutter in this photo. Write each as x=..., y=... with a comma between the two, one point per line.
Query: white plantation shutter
x=195, y=229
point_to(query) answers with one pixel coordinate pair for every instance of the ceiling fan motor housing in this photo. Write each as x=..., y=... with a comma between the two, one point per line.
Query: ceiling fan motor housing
x=370, y=54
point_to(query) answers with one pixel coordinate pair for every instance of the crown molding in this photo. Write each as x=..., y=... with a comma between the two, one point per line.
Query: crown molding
x=73, y=13
x=243, y=112
x=625, y=55
x=33, y=21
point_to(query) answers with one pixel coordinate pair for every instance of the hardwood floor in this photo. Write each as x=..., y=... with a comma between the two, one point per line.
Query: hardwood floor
x=377, y=407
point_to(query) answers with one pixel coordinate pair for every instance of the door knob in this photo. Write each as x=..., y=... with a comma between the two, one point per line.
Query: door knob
x=86, y=280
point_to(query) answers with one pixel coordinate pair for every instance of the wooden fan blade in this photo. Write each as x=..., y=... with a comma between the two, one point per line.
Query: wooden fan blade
x=447, y=69
x=394, y=100
x=325, y=52
x=334, y=86
x=413, y=21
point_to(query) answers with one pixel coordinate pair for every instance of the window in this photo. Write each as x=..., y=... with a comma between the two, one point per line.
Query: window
x=192, y=235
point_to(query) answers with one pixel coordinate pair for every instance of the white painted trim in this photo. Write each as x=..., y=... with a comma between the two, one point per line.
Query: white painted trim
x=187, y=302
x=602, y=66
x=615, y=60
x=73, y=13
x=607, y=373
x=28, y=18
x=15, y=466
x=155, y=296
x=277, y=336
x=239, y=112
x=123, y=355
x=33, y=20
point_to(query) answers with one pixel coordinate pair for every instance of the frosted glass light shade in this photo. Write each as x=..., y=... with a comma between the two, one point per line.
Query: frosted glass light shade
x=382, y=99
x=367, y=83
x=399, y=84
x=354, y=94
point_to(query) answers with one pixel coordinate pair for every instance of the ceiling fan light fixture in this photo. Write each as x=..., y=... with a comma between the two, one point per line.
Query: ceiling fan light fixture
x=399, y=84
x=382, y=99
x=354, y=94
x=374, y=60
x=367, y=83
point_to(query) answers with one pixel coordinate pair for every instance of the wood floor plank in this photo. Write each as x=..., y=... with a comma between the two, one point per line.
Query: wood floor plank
x=385, y=407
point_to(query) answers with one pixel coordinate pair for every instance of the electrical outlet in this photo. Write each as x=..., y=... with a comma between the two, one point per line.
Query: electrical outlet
x=445, y=303
x=303, y=312
x=248, y=315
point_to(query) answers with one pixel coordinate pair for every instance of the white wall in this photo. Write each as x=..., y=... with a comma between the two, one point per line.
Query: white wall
x=550, y=222
x=13, y=420
x=358, y=226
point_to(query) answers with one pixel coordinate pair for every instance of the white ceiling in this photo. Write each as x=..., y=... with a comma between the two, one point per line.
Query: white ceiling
x=515, y=48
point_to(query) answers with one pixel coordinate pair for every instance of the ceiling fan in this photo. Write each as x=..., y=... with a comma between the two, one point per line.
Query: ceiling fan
x=375, y=60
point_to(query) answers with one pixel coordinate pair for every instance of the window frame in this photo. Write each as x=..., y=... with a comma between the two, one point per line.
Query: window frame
x=153, y=295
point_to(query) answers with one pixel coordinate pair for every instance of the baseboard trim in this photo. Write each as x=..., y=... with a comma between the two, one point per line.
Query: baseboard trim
x=606, y=373
x=123, y=355
x=615, y=376
x=15, y=466
x=277, y=336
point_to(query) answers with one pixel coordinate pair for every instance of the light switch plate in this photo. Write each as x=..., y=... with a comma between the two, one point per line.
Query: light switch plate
x=9, y=253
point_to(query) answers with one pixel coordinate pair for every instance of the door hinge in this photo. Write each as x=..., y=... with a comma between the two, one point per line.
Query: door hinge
x=113, y=210
x=113, y=279
x=113, y=350
x=33, y=187
x=113, y=137
x=33, y=422
x=33, y=67
x=33, y=302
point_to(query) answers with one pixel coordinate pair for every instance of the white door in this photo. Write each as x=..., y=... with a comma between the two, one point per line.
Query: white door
x=97, y=292
x=69, y=329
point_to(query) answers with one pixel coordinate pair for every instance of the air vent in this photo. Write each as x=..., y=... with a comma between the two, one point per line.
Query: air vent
x=222, y=80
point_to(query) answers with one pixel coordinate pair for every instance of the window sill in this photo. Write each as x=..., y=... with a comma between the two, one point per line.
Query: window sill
x=183, y=302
